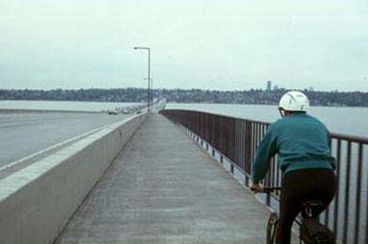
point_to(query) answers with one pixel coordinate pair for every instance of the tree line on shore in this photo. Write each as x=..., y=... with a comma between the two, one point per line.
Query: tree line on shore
x=253, y=96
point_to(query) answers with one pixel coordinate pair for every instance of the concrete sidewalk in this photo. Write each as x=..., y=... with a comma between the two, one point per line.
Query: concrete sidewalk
x=163, y=189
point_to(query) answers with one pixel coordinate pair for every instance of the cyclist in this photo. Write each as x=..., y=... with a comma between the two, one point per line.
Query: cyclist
x=302, y=144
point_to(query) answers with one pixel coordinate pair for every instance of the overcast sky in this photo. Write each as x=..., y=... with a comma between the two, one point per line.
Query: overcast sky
x=204, y=44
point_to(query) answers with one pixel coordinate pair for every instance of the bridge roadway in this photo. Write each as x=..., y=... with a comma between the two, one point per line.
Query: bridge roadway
x=26, y=133
x=163, y=189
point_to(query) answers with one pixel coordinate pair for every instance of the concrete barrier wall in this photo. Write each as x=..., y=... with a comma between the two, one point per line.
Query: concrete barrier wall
x=37, y=201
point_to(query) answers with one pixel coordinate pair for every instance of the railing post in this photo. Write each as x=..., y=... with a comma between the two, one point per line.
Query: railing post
x=358, y=192
x=347, y=191
x=248, y=150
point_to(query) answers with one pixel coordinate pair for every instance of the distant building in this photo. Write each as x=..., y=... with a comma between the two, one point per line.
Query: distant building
x=269, y=85
x=275, y=87
x=311, y=88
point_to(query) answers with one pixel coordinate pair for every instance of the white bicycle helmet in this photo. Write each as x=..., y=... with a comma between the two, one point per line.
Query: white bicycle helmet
x=294, y=101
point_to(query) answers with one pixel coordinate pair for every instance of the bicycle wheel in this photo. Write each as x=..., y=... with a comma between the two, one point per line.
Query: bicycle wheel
x=271, y=228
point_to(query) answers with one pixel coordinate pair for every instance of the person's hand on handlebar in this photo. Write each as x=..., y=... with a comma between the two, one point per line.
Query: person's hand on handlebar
x=256, y=188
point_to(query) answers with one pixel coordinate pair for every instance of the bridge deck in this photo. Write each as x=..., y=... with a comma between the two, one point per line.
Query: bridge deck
x=163, y=189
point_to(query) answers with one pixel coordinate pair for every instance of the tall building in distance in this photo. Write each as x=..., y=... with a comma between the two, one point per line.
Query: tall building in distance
x=269, y=85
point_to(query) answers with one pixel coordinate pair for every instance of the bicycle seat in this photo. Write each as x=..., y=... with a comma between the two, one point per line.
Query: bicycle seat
x=312, y=208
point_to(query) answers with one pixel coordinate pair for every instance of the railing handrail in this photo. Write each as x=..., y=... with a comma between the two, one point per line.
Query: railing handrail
x=352, y=138
x=355, y=139
x=219, y=115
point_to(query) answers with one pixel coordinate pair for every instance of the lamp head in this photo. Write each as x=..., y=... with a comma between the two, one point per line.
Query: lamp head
x=146, y=48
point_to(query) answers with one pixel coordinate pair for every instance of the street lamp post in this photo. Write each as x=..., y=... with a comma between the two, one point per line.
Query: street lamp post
x=149, y=76
x=151, y=91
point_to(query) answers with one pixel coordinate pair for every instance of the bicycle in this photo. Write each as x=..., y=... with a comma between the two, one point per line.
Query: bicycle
x=311, y=231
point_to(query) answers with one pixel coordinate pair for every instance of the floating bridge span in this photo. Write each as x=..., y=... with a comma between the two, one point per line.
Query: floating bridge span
x=173, y=177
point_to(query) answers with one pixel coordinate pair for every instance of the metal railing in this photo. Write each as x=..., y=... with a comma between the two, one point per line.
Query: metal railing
x=237, y=139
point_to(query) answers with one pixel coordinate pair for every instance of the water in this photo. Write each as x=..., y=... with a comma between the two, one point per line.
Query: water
x=341, y=120
x=63, y=105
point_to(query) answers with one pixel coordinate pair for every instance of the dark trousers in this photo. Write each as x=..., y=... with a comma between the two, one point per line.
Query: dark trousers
x=298, y=187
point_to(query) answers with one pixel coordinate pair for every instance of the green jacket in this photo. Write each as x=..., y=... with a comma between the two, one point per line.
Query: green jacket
x=301, y=142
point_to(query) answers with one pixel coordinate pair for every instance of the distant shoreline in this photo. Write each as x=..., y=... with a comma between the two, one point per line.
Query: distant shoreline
x=174, y=102
x=139, y=95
